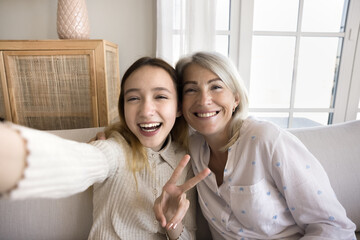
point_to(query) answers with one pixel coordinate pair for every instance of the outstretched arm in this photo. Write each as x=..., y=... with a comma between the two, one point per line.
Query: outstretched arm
x=171, y=206
x=35, y=163
x=12, y=158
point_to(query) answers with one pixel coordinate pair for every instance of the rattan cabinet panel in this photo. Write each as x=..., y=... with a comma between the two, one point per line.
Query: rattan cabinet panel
x=59, y=84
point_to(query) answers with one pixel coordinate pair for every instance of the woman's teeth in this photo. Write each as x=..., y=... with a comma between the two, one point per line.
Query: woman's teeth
x=204, y=115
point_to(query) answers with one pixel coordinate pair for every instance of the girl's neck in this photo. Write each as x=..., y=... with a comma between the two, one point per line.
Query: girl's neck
x=162, y=145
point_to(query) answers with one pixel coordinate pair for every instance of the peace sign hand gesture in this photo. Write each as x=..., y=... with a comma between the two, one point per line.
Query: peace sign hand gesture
x=171, y=206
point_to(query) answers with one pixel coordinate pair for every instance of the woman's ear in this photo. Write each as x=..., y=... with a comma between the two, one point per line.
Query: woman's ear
x=236, y=101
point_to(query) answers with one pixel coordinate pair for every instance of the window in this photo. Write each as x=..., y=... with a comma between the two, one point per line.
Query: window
x=297, y=59
x=223, y=26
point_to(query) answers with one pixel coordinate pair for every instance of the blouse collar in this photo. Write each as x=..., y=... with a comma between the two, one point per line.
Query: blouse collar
x=168, y=152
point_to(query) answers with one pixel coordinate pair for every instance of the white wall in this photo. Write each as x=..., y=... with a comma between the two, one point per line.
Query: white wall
x=129, y=23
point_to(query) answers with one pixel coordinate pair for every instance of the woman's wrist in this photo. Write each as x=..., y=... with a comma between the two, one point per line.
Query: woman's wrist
x=175, y=233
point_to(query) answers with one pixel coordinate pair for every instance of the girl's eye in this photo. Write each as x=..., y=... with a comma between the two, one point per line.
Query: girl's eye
x=161, y=97
x=131, y=99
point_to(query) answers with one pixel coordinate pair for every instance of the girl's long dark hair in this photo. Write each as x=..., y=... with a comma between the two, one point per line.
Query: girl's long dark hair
x=138, y=160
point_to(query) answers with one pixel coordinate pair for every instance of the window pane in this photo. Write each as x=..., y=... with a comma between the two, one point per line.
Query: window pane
x=358, y=116
x=275, y=15
x=176, y=48
x=178, y=17
x=323, y=16
x=316, y=72
x=271, y=71
x=222, y=15
x=309, y=119
x=222, y=44
x=280, y=119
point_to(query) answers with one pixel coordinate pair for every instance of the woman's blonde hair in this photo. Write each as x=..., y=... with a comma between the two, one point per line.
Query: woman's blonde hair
x=224, y=68
x=137, y=159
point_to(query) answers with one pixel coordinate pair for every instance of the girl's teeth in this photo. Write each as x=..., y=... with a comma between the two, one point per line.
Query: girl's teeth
x=150, y=125
x=206, y=114
x=149, y=130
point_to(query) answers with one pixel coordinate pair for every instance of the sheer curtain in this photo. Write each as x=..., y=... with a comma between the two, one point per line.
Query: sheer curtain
x=184, y=26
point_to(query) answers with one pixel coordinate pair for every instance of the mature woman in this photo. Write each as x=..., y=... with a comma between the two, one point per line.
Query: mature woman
x=264, y=183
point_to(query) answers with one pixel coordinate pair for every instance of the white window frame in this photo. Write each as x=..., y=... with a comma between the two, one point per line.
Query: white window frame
x=348, y=87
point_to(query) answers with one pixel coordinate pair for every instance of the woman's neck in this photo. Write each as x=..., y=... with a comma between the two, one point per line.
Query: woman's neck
x=218, y=157
x=217, y=142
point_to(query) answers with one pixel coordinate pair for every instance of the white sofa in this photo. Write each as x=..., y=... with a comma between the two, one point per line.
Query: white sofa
x=337, y=147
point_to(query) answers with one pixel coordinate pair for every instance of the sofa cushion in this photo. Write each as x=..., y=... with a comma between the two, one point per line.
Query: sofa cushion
x=65, y=218
x=337, y=147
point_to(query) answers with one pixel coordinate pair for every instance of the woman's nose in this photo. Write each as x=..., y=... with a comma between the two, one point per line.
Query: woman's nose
x=205, y=98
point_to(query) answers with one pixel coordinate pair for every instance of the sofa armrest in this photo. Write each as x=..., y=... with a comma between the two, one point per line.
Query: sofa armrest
x=337, y=147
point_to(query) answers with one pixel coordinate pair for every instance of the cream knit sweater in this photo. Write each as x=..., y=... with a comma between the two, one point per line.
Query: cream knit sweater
x=60, y=168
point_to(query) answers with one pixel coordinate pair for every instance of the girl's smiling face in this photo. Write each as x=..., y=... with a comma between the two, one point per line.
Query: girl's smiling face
x=150, y=105
x=208, y=103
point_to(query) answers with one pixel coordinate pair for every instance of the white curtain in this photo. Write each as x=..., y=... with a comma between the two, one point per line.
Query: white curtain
x=184, y=26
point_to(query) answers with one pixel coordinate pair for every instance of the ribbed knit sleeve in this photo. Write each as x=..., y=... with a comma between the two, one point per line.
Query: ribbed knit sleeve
x=57, y=167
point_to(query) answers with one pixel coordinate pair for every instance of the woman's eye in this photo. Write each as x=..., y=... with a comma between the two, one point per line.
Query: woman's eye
x=216, y=87
x=189, y=90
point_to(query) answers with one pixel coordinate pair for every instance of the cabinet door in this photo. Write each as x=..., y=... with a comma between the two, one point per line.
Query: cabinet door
x=112, y=89
x=52, y=89
x=5, y=112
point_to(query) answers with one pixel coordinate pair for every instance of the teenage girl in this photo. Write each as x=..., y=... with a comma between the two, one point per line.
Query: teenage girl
x=127, y=171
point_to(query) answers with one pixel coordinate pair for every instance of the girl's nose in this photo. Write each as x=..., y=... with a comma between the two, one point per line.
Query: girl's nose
x=147, y=108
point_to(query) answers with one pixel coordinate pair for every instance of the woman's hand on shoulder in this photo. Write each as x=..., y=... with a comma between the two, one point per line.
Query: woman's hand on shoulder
x=99, y=136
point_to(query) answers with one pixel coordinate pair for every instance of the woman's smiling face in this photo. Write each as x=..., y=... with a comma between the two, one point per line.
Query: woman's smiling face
x=150, y=105
x=208, y=103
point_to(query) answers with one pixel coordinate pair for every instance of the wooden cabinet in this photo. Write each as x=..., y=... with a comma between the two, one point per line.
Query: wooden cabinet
x=59, y=84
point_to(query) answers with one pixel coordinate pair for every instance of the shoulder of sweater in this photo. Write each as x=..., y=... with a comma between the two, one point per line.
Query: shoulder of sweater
x=118, y=138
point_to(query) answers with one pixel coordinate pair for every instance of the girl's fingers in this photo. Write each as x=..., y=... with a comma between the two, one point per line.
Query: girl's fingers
x=180, y=213
x=178, y=170
x=158, y=210
x=194, y=180
x=172, y=192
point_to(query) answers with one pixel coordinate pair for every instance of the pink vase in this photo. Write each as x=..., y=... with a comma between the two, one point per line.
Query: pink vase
x=72, y=19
